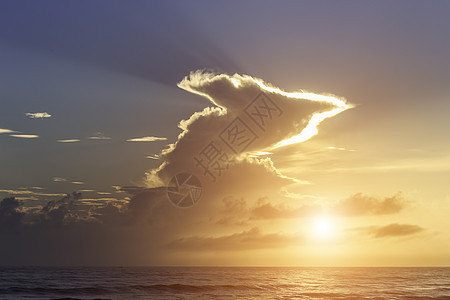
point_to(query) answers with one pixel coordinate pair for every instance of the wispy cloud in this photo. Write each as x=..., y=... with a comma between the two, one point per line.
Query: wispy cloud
x=266, y=210
x=340, y=149
x=25, y=136
x=27, y=192
x=50, y=194
x=101, y=199
x=153, y=156
x=4, y=130
x=147, y=139
x=245, y=240
x=68, y=141
x=28, y=198
x=42, y=115
x=17, y=192
x=59, y=179
x=99, y=136
x=394, y=230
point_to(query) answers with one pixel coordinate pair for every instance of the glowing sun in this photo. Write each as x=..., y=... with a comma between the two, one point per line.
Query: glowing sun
x=322, y=227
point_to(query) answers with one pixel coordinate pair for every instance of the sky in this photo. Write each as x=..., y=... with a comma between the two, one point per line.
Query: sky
x=293, y=133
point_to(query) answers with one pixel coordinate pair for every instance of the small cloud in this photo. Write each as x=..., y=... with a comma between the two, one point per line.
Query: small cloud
x=300, y=196
x=266, y=210
x=360, y=204
x=99, y=136
x=59, y=179
x=340, y=149
x=395, y=230
x=4, y=130
x=153, y=156
x=42, y=115
x=87, y=191
x=103, y=193
x=26, y=198
x=68, y=141
x=77, y=182
x=147, y=139
x=259, y=153
x=36, y=188
x=17, y=192
x=25, y=136
x=100, y=199
x=49, y=195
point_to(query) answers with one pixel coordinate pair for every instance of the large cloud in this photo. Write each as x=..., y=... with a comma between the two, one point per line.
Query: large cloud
x=249, y=117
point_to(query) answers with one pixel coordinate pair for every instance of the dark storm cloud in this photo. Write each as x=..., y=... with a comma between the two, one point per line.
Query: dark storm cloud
x=55, y=213
x=60, y=212
x=70, y=232
x=9, y=215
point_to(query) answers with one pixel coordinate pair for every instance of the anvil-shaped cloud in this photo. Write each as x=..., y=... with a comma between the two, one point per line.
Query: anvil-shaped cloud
x=250, y=117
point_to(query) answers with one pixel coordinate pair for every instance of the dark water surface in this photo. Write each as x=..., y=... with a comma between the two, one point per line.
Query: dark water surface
x=223, y=283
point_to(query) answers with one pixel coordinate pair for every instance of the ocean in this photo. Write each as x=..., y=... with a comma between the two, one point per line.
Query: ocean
x=223, y=283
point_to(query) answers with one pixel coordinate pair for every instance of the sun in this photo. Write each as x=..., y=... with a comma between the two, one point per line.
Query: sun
x=322, y=227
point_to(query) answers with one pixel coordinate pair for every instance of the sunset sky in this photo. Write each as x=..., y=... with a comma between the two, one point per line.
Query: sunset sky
x=107, y=100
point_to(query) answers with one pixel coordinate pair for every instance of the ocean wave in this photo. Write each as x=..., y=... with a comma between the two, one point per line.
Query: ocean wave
x=193, y=288
x=46, y=290
x=223, y=283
